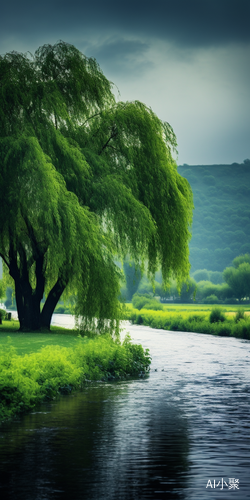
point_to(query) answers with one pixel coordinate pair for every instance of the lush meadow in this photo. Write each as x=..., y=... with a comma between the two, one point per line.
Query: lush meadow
x=39, y=366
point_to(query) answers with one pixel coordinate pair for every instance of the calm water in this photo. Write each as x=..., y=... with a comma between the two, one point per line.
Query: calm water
x=163, y=437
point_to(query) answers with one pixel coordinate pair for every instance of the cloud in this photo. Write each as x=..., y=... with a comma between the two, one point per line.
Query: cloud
x=186, y=23
x=125, y=57
x=204, y=96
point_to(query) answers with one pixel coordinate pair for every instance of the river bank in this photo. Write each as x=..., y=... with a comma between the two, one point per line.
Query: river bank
x=189, y=318
x=38, y=367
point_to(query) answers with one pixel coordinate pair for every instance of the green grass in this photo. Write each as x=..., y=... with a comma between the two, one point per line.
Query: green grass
x=26, y=343
x=38, y=366
x=204, y=307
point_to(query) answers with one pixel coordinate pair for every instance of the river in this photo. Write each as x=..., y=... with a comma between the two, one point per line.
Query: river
x=182, y=433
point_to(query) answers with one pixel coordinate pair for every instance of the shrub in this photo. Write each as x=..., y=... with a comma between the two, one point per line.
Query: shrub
x=197, y=318
x=240, y=314
x=138, y=319
x=26, y=380
x=216, y=316
x=211, y=299
x=241, y=329
x=146, y=302
x=224, y=331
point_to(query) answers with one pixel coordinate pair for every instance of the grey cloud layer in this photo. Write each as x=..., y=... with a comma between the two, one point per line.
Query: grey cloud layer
x=183, y=22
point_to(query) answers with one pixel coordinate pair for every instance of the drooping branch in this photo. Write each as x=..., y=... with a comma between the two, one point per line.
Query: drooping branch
x=40, y=278
x=4, y=259
x=114, y=134
x=37, y=249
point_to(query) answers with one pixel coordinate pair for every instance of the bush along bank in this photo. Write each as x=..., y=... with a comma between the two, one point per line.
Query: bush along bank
x=215, y=324
x=27, y=380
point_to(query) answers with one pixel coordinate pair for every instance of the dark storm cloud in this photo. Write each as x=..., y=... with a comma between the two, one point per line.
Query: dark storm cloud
x=182, y=22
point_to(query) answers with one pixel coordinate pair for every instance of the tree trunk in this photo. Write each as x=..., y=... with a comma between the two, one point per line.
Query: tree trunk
x=50, y=303
x=28, y=300
x=28, y=307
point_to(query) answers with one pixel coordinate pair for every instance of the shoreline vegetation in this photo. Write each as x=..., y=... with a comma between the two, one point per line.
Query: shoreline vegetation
x=227, y=321
x=33, y=369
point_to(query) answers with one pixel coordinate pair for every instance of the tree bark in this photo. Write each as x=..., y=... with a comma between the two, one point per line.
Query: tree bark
x=51, y=301
x=27, y=299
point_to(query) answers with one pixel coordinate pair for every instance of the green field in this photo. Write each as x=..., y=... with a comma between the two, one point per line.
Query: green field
x=199, y=308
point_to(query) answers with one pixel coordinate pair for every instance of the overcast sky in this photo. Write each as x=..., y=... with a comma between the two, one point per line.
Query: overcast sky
x=189, y=60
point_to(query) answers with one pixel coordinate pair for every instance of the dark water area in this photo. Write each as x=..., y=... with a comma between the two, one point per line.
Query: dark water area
x=181, y=433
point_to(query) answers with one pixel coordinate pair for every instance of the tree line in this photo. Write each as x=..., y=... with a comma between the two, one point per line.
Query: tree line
x=211, y=287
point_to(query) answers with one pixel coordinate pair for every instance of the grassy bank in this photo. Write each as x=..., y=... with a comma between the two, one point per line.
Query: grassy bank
x=230, y=321
x=36, y=367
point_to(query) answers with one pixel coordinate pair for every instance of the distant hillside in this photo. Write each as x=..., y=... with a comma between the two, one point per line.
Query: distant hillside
x=221, y=222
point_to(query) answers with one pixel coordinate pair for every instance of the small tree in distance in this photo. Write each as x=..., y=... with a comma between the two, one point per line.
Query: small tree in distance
x=238, y=276
x=84, y=180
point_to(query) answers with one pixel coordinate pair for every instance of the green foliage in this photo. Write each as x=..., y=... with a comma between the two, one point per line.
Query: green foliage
x=2, y=289
x=240, y=315
x=242, y=329
x=145, y=287
x=217, y=316
x=62, y=310
x=238, y=278
x=216, y=277
x=29, y=379
x=205, y=275
x=188, y=290
x=201, y=275
x=88, y=180
x=211, y=299
x=2, y=314
x=145, y=301
x=241, y=259
x=180, y=320
x=208, y=292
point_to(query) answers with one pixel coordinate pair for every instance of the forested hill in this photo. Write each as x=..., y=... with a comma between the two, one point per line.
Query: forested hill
x=221, y=220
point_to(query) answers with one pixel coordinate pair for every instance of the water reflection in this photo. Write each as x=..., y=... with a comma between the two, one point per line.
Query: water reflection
x=103, y=443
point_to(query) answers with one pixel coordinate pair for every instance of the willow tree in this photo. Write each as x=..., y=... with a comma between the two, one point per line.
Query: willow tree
x=84, y=179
